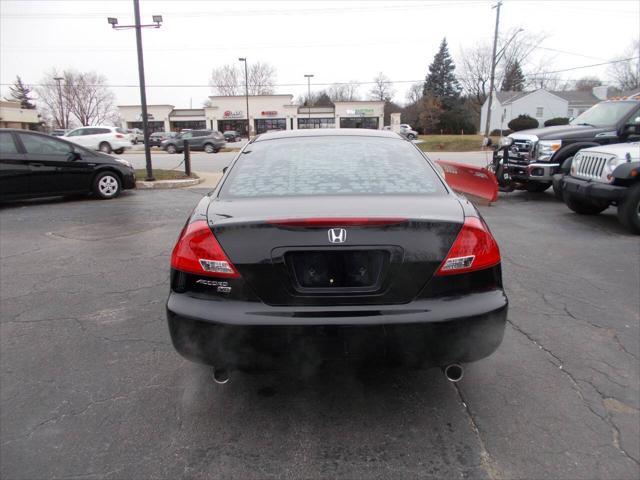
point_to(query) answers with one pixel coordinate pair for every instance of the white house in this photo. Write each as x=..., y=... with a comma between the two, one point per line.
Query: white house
x=539, y=104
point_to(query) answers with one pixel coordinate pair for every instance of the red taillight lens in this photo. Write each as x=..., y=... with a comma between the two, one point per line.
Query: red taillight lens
x=474, y=249
x=119, y=136
x=337, y=222
x=198, y=251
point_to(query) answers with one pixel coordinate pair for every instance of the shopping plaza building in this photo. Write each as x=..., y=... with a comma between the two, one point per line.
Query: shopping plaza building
x=266, y=112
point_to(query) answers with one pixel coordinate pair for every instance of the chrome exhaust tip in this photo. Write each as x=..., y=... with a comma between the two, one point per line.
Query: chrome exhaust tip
x=221, y=375
x=454, y=372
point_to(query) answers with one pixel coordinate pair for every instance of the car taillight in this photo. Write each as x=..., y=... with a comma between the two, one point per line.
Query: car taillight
x=474, y=249
x=119, y=135
x=197, y=251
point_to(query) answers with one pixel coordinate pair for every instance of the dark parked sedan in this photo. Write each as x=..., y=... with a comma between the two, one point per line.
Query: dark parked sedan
x=325, y=242
x=232, y=136
x=156, y=138
x=37, y=165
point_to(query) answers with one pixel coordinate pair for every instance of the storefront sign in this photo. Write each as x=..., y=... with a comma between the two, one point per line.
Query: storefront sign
x=269, y=113
x=149, y=116
x=236, y=114
x=360, y=112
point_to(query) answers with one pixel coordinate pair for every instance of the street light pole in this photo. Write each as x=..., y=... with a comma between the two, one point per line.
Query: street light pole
x=157, y=19
x=493, y=71
x=246, y=93
x=61, y=122
x=309, y=76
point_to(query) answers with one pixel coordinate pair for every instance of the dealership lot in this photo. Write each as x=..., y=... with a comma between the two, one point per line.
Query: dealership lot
x=92, y=388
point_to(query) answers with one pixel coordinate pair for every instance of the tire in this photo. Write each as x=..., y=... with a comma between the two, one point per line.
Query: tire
x=209, y=148
x=411, y=136
x=172, y=149
x=104, y=147
x=537, y=187
x=584, y=207
x=135, y=141
x=629, y=210
x=119, y=151
x=107, y=185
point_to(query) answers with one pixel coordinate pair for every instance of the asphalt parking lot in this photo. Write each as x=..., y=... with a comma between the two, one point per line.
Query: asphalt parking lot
x=92, y=388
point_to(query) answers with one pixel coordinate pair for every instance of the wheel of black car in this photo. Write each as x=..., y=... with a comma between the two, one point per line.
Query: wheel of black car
x=629, y=210
x=119, y=151
x=583, y=207
x=209, y=148
x=106, y=185
x=171, y=149
x=105, y=147
x=537, y=187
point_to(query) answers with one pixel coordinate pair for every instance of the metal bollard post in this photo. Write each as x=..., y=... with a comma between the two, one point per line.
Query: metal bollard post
x=187, y=158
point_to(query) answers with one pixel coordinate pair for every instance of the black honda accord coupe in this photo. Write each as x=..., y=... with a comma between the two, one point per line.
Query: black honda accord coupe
x=330, y=243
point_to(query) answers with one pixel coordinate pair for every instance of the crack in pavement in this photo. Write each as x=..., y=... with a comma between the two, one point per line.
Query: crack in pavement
x=576, y=386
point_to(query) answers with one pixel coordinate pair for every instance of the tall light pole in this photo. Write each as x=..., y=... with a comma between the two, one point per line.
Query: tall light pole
x=493, y=70
x=157, y=20
x=309, y=76
x=61, y=122
x=246, y=92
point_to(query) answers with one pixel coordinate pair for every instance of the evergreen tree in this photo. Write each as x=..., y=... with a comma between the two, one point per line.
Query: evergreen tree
x=513, y=80
x=441, y=82
x=20, y=92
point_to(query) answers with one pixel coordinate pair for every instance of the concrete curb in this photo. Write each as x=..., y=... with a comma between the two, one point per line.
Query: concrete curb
x=164, y=184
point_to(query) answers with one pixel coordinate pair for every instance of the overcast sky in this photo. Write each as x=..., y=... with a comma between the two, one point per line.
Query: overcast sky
x=336, y=41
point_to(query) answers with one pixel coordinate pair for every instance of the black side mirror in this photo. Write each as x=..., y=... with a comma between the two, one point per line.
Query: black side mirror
x=224, y=170
x=74, y=156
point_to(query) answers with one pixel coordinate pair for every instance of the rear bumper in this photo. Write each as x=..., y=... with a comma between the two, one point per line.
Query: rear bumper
x=252, y=335
x=592, y=190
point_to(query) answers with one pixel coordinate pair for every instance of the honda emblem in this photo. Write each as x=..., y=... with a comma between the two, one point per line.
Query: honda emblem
x=337, y=235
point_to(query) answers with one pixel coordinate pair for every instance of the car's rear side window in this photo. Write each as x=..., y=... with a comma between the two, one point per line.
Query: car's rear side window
x=7, y=145
x=338, y=165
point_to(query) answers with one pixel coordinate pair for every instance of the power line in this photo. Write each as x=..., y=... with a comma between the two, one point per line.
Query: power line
x=326, y=84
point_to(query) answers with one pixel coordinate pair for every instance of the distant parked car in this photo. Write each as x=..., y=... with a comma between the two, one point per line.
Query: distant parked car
x=211, y=141
x=407, y=132
x=59, y=132
x=232, y=136
x=37, y=165
x=156, y=138
x=106, y=139
x=136, y=135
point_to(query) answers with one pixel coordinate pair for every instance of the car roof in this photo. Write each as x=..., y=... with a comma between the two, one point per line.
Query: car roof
x=327, y=132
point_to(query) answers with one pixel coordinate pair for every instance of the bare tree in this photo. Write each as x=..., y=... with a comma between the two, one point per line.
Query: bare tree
x=225, y=80
x=229, y=80
x=262, y=79
x=475, y=65
x=82, y=98
x=91, y=101
x=344, y=92
x=382, y=88
x=414, y=94
x=54, y=101
x=626, y=74
x=586, y=84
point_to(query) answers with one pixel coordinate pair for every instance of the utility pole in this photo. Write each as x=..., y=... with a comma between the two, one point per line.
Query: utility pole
x=246, y=93
x=493, y=70
x=309, y=76
x=61, y=123
x=157, y=19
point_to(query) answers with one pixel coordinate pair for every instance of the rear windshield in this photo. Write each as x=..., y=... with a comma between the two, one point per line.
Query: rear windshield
x=340, y=165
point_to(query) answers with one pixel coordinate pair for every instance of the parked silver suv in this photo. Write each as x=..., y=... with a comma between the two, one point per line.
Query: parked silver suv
x=211, y=141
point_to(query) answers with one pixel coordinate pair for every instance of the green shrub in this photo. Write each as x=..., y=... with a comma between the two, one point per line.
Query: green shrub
x=523, y=122
x=556, y=121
